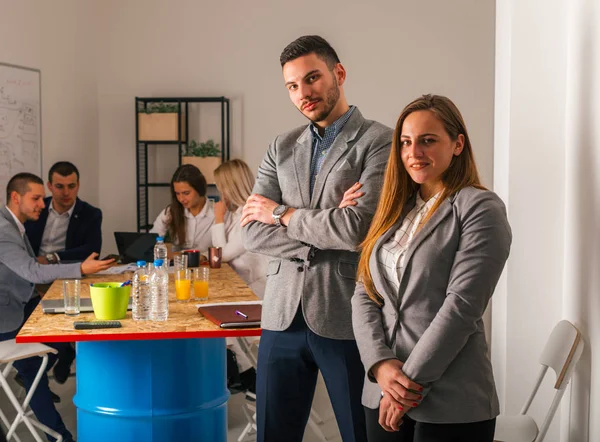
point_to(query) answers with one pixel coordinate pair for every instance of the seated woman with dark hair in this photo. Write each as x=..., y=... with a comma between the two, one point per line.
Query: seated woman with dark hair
x=190, y=215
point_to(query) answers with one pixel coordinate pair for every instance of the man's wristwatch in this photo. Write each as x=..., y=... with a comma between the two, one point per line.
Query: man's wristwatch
x=51, y=258
x=278, y=212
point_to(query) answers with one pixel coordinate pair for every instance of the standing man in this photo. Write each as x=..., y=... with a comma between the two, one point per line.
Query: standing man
x=68, y=229
x=295, y=216
x=19, y=272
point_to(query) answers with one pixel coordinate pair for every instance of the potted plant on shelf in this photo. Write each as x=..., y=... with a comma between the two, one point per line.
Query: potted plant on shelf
x=205, y=156
x=158, y=122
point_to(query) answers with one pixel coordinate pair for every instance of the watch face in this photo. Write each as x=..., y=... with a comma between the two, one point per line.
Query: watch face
x=279, y=210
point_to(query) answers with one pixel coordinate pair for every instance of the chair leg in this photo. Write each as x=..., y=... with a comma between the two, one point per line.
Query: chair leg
x=22, y=415
x=6, y=423
x=317, y=429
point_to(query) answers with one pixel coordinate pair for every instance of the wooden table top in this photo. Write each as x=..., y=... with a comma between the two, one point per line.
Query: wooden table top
x=184, y=320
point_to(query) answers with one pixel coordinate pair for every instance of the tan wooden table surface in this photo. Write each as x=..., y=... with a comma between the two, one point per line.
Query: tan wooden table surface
x=184, y=320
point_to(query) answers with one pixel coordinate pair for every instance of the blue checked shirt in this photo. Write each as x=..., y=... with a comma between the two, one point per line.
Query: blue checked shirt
x=321, y=145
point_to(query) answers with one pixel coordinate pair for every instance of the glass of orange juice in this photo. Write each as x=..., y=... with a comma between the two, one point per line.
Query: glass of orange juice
x=183, y=285
x=201, y=283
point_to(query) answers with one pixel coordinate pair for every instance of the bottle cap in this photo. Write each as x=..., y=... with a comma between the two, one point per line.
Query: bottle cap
x=141, y=263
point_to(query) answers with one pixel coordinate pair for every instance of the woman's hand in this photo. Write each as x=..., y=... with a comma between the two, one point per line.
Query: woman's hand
x=390, y=413
x=395, y=383
x=220, y=210
x=351, y=195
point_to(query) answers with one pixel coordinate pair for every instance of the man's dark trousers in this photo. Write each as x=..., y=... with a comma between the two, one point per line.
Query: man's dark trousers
x=289, y=362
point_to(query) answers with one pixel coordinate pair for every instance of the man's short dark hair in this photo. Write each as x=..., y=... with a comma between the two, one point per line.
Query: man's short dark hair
x=20, y=184
x=63, y=168
x=310, y=44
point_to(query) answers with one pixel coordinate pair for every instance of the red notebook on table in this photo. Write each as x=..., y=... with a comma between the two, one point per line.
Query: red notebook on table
x=233, y=315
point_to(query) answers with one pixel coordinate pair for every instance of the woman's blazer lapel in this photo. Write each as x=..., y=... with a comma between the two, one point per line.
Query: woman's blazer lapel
x=376, y=271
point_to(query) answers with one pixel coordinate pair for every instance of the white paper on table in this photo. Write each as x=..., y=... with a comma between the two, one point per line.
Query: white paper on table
x=117, y=270
x=210, y=304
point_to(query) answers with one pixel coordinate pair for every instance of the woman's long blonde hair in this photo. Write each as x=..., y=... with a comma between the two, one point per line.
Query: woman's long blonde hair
x=398, y=186
x=235, y=180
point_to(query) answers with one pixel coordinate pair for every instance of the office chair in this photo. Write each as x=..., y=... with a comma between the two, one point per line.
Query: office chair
x=561, y=353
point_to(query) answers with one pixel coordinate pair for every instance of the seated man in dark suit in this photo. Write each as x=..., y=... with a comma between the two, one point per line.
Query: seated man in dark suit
x=67, y=230
x=19, y=272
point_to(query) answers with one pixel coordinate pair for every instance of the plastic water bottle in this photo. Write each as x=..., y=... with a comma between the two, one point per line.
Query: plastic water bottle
x=159, y=289
x=140, y=288
x=160, y=249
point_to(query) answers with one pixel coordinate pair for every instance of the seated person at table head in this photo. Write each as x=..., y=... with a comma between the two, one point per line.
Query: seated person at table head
x=190, y=215
x=68, y=229
x=19, y=272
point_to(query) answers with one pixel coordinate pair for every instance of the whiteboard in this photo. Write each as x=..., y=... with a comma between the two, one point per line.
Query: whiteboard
x=20, y=123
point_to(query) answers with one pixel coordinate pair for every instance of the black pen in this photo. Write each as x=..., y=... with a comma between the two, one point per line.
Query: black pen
x=237, y=312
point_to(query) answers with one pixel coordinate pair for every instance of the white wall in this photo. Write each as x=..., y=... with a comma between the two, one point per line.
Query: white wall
x=546, y=160
x=393, y=51
x=57, y=37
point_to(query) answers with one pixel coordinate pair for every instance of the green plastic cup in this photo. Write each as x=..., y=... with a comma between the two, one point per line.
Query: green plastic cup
x=110, y=300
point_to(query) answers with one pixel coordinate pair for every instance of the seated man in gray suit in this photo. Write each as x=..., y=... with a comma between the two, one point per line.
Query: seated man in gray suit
x=19, y=272
x=295, y=216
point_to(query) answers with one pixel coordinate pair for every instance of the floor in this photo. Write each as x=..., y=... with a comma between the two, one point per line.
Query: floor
x=236, y=417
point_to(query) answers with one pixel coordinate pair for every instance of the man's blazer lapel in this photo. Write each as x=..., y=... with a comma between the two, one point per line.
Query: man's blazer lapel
x=302, y=158
x=11, y=220
x=341, y=144
x=73, y=223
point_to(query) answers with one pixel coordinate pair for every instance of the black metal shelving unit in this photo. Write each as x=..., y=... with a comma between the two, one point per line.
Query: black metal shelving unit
x=142, y=183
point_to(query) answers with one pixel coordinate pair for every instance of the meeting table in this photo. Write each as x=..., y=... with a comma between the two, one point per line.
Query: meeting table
x=149, y=381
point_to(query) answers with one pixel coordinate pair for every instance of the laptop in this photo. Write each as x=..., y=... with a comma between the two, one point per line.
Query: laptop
x=135, y=246
x=58, y=305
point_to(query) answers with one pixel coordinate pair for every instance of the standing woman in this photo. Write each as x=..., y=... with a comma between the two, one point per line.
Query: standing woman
x=429, y=265
x=190, y=215
x=234, y=182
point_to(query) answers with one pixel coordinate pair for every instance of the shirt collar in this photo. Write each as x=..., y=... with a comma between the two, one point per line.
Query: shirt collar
x=20, y=225
x=203, y=212
x=335, y=128
x=51, y=209
x=420, y=202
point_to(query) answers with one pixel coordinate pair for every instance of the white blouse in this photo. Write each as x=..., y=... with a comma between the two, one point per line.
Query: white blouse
x=251, y=267
x=391, y=254
x=197, y=228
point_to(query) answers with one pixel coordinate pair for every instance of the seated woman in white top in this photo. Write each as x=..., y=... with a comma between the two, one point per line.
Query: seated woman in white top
x=234, y=182
x=190, y=215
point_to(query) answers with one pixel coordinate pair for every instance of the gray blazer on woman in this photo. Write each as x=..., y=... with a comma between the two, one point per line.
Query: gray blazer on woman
x=434, y=323
x=20, y=271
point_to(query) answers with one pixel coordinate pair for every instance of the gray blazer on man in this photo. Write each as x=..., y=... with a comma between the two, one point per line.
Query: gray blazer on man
x=324, y=282
x=20, y=271
x=433, y=324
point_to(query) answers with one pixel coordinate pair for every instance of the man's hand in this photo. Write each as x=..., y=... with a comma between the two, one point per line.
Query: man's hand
x=220, y=210
x=351, y=195
x=395, y=383
x=258, y=208
x=390, y=413
x=92, y=265
x=42, y=260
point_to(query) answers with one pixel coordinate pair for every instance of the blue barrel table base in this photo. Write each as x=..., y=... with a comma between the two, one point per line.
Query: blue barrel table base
x=152, y=391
